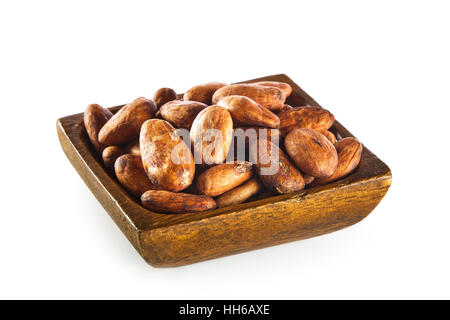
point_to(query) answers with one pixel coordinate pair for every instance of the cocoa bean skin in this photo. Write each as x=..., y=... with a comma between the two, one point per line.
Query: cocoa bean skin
x=95, y=118
x=203, y=92
x=305, y=117
x=311, y=152
x=181, y=114
x=164, y=95
x=240, y=194
x=131, y=174
x=126, y=124
x=286, y=178
x=110, y=155
x=268, y=97
x=171, y=202
x=349, y=154
x=246, y=112
x=223, y=177
x=212, y=118
x=157, y=143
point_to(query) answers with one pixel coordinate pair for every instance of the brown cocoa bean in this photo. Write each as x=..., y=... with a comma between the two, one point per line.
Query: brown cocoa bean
x=203, y=92
x=126, y=124
x=286, y=88
x=109, y=155
x=274, y=169
x=131, y=174
x=223, y=177
x=305, y=117
x=95, y=118
x=246, y=112
x=311, y=152
x=171, y=202
x=164, y=95
x=268, y=97
x=167, y=160
x=211, y=135
x=181, y=114
x=349, y=155
x=240, y=194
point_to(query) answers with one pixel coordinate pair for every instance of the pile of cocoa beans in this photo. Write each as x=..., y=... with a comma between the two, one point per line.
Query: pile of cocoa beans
x=218, y=145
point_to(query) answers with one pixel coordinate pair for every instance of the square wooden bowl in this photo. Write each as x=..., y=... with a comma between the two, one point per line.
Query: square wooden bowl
x=166, y=240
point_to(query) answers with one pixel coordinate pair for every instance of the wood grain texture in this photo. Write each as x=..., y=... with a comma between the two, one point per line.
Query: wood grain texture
x=165, y=240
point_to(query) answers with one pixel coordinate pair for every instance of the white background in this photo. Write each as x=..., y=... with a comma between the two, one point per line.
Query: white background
x=381, y=67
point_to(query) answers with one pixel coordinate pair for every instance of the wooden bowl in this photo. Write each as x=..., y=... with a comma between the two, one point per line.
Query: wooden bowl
x=166, y=240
